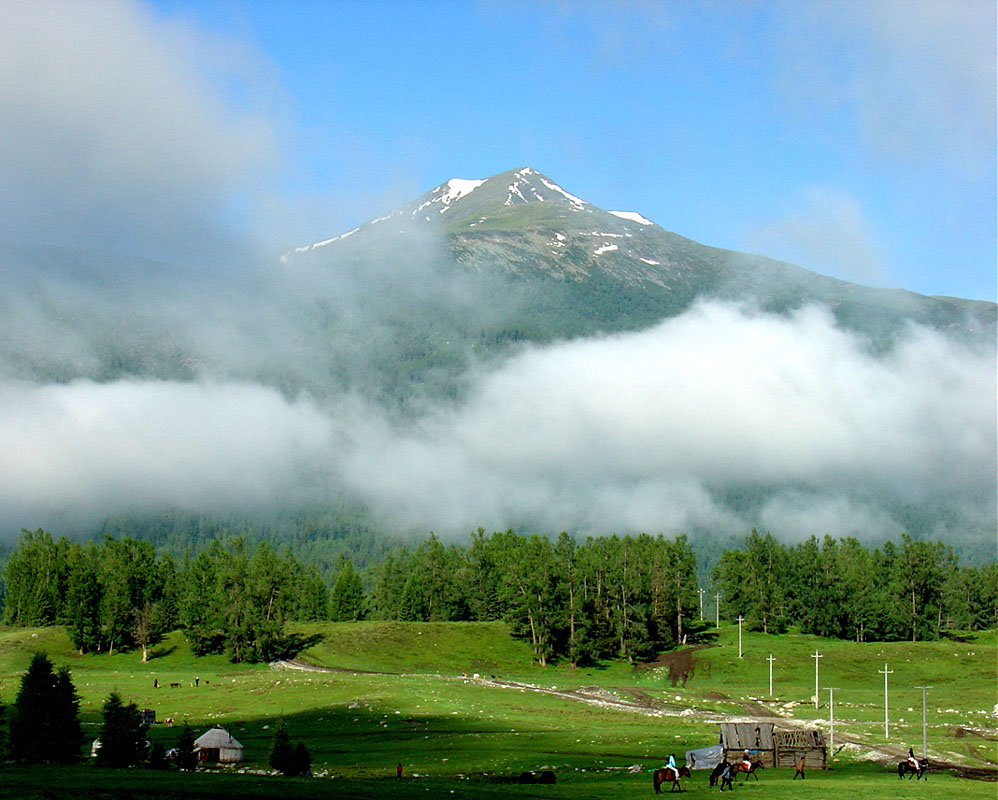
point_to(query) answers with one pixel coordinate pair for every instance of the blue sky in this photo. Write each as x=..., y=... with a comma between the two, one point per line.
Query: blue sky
x=854, y=138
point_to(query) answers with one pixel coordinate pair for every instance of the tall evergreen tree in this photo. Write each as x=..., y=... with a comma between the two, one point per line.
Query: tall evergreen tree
x=35, y=579
x=84, y=593
x=187, y=758
x=346, y=601
x=122, y=734
x=44, y=722
x=282, y=754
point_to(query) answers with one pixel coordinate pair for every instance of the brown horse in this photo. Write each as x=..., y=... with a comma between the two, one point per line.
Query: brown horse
x=739, y=766
x=716, y=772
x=667, y=774
x=921, y=771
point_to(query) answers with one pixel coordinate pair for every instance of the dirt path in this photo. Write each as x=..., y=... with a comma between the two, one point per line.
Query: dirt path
x=644, y=703
x=681, y=665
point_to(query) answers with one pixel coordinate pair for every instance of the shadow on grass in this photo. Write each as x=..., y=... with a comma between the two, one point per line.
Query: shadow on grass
x=161, y=652
x=292, y=645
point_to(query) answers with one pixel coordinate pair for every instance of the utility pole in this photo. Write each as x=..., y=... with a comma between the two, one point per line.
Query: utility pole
x=702, y=593
x=717, y=610
x=771, y=660
x=925, y=744
x=887, y=734
x=740, y=619
x=816, y=656
x=831, y=715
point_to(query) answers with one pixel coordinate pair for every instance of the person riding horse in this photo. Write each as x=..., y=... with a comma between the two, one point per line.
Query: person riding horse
x=670, y=772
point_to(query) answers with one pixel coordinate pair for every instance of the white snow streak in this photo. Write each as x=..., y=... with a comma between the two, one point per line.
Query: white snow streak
x=633, y=216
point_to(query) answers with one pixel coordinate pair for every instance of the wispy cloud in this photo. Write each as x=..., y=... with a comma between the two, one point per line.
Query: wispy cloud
x=116, y=129
x=916, y=79
x=828, y=233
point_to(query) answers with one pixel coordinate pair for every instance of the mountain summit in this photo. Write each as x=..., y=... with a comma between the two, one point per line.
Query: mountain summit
x=617, y=269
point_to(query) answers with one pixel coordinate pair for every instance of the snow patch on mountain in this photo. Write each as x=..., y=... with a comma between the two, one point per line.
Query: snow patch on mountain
x=309, y=247
x=632, y=216
x=459, y=187
x=607, y=248
x=575, y=201
x=447, y=193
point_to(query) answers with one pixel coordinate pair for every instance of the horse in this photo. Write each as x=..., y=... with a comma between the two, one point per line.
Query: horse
x=673, y=774
x=905, y=768
x=739, y=766
x=716, y=772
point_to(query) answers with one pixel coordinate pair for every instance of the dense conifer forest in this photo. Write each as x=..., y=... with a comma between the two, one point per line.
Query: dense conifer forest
x=607, y=597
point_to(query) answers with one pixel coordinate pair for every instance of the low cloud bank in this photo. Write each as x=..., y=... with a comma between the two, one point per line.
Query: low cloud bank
x=640, y=431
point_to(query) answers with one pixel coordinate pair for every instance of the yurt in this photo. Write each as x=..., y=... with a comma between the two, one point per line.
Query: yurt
x=218, y=747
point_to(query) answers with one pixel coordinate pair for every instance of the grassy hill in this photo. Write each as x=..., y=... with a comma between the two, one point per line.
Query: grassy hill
x=396, y=692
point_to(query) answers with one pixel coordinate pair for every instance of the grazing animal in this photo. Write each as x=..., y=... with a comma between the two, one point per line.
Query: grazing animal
x=666, y=774
x=749, y=770
x=799, y=768
x=168, y=722
x=921, y=771
x=174, y=685
x=716, y=772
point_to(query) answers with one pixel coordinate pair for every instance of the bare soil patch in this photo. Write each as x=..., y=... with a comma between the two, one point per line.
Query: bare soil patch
x=680, y=663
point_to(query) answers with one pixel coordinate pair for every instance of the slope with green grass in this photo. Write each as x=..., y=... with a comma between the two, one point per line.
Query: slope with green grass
x=387, y=693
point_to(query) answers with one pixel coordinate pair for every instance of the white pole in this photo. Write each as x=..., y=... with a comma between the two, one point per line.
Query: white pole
x=740, y=619
x=702, y=593
x=831, y=715
x=887, y=734
x=816, y=656
x=717, y=610
x=925, y=744
x=771, y=660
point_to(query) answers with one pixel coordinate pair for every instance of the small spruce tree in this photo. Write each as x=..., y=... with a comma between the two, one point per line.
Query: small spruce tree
x=282, y=755
x=187, y=758
x=302, y=760
x=44, y=722
x=122, y=735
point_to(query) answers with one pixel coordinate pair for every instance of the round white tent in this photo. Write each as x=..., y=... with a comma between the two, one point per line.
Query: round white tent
x=217, y=745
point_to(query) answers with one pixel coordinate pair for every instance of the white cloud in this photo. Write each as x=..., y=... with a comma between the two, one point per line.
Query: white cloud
x=828, y=233
x=116, y=128
x=84, y=450
x=639, y=431
x=917, y=78
x=633, y=430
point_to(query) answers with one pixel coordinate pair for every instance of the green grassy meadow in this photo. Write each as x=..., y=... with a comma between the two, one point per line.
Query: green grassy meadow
x=403, y=698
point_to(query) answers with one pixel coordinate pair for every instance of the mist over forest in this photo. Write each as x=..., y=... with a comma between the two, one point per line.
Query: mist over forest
x=158, y=356
x=268, y=388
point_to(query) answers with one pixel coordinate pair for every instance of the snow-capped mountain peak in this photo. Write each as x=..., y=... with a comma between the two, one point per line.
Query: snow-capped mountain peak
x=474, y=203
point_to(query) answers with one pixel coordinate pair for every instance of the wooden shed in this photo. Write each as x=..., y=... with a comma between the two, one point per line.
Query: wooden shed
x=756, y=737
x=790, y=745
x=771, y=747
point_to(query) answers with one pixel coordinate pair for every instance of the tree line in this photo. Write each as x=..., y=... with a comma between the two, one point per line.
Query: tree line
x=838, y=588
x=607, y=597
x=119, y=594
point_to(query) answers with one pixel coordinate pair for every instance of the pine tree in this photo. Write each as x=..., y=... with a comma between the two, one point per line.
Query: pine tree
x=83, y=611
x=346, y=601
x=302, y=760
x=122, y=734
x=282, y=755
x=44, y=722
x=187, y=758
